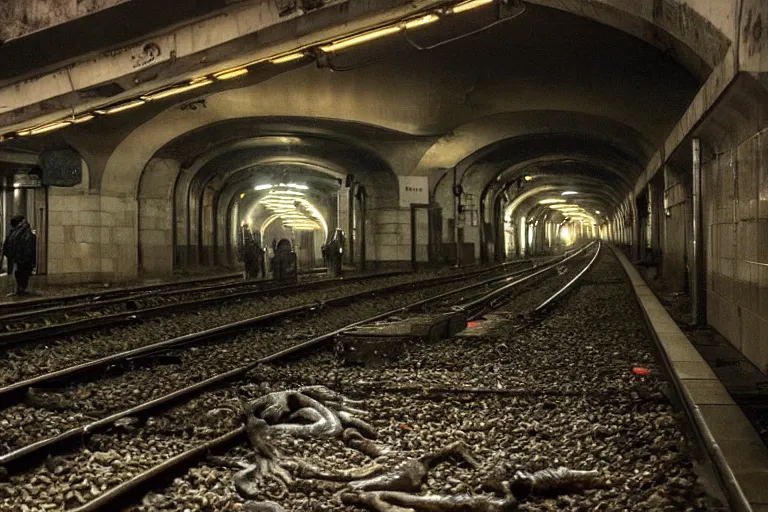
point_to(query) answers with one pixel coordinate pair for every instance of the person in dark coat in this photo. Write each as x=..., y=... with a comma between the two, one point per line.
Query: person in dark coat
x=19, y=248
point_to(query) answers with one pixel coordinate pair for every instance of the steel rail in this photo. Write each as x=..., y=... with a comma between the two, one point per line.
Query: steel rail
x=126, y=299
x=724, y=474
x=570, y=283
x=75, y=436
x=12, y=338
x=9, y=394
x=121, y=492
x=476, y=307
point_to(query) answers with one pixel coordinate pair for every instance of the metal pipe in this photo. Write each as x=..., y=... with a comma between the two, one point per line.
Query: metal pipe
x=697, y=277
x=456, y=203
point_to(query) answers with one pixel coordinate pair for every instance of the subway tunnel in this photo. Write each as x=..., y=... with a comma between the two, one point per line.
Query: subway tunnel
x=433, y=134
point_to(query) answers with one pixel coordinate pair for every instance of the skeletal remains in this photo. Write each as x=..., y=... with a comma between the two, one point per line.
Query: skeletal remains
x=316, y=411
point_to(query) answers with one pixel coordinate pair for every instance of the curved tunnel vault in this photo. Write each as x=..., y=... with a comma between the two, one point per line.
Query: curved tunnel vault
x=573, y=99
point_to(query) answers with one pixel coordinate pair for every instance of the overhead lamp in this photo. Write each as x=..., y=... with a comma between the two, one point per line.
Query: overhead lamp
x=285, y=192
x=49, y=127
x=24, y=133
x=359, y=39
x=569, y=193
x=468, y=5
x=262, y=187
x=242, y=196
x=177, y=90
x=288, y=58
x=597, y=212
x=294, y=185
x=230, y=73
x=424, y=20
x=551, y=201
x=120, y=108
x=82, y=119
x=528, y=178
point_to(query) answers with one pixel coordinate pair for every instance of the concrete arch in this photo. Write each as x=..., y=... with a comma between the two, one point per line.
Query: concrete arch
x=472, y=141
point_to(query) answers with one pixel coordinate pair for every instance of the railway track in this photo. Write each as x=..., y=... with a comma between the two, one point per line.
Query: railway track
x=317, y=330
x=38, y=324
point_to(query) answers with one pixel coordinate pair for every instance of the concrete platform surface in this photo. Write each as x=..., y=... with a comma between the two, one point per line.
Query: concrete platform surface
x=734, y=443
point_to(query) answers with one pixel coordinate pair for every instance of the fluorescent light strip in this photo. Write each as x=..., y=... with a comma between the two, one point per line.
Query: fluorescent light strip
x=551, y=201
x=420, y=22
x=83, y=119
x=471, y=4
x=230, y=73
x=120, y=108
x=359, y=39
x=58, y=125
x=176, y=90
x=288, y=58
x=262, y=187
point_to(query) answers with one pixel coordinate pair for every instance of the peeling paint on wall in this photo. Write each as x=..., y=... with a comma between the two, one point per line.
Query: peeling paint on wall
x=19, y=18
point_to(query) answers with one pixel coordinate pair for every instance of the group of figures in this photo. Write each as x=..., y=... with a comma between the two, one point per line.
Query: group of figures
x=318, y=412
x=283, y=263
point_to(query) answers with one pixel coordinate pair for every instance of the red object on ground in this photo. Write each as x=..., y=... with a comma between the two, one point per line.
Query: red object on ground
x=473, y=324
x=637, y=370
x=405, y=427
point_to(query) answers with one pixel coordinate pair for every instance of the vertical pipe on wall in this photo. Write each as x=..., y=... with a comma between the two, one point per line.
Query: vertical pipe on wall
x=456, y=203
x=697, y=278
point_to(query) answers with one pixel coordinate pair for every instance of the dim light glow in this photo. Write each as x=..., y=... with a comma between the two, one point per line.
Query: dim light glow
x=288, y=58
x=424, y=20
x=230, y=73
x=120, y=108
x=470, y=4
x=242, y=196
x=551, y=201
x=58, y=125
x=528, y=178
x=176, y=90
x=359, y=39
x=83, y=119
x=597, y=212
x=23, y=133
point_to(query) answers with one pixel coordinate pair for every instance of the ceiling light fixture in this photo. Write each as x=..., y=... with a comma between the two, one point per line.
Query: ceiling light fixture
x=470, y=4
x=262, y=187
x=83, y=118
x=528, y=178
x=551, y=201
x=419, y=22
x=569, y=193
x=120, y=108
x=230, y=73
x=176, y=90
x=58, y=125
x=359, y=39
x=597, y=212
x=288, y=58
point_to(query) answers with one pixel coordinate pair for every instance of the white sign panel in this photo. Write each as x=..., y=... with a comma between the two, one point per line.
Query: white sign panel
x=413, y=189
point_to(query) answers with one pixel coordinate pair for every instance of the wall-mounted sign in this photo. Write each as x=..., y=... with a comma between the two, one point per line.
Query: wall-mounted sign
x=26, y=180
x=61, y=168
x=413, y=190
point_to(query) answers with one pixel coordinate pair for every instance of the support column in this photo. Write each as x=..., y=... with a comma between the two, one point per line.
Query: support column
x=698, y=306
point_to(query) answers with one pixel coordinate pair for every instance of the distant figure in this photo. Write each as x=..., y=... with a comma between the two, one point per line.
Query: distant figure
x=19, y=248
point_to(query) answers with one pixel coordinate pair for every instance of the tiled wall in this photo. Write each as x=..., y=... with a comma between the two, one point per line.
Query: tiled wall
x=392, y=236
x=90, y=236
x=676, y=235
x=735, y=201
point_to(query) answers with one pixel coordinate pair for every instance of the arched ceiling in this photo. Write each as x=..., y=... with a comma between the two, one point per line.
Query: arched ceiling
x=548, y=84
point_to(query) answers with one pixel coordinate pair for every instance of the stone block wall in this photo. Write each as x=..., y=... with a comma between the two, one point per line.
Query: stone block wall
x=90, y=237
x=735, y=201
x=392, y=236
x=676, y=231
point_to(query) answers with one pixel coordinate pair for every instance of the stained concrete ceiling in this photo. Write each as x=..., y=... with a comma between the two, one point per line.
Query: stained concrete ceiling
x=544, y=84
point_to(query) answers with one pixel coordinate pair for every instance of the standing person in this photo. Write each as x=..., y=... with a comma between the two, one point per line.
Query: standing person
x=19, y=248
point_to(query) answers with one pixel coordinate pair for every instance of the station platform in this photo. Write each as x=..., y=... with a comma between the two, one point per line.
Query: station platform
x=738, y=453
